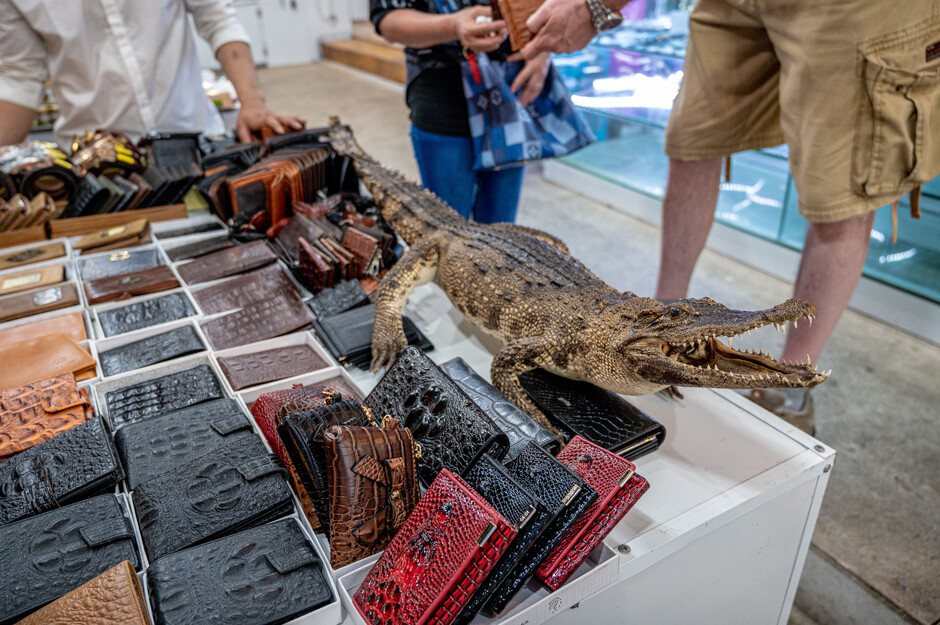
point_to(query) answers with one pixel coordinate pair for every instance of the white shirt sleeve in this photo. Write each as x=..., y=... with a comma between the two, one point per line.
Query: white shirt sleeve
x=217, y=22
x=22, y=59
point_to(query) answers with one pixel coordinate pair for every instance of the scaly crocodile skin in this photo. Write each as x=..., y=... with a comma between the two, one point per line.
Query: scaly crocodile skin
x=262, y=576
x=249, y=288
x=416, y=579
x=162, y=395
x=340, y=297
x=451, y=429
x=144, y=314
x=198, y=248
x=151, y=350
x=282, y=313
x=267, y=366
x=38, y=411
x=227, y=262
x=117, y=262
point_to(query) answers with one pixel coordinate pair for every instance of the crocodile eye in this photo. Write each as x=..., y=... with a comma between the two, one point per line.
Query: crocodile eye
x=675, y=312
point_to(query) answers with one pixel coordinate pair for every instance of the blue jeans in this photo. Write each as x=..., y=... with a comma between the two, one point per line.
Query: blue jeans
x=446, y=166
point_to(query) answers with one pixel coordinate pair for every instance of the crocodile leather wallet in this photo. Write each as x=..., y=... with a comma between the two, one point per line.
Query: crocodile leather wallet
x=263, y=576
x=516, y=13
x=518, y=426
x=227, y=262
x=151, y=350
x=282, y=314
x=373, y=487
x=74, y=465
x=157, y=445
x=161, y=395
x=233, y=487
x=70, y=324
x=198, y=248
x=244, y=290
x=618, y=488
x=451, y=429
x=145, y=314
x=38, y=254
x=119, y=261
x=270, y=365
x=604, y=418
x=59, y=550
x=341, y=297
x=36, y=302
x=438, y=558
x=348, y=335
x=128, y=285
x=42, y=358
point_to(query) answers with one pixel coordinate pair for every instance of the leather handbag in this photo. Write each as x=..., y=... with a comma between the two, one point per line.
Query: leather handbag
x=518, y=426
x=113, y=598
x=348, y=335
x=117, y=262
x=59, y=550
x=618, y=487
x=31, y=279
x=604, y=418
x=372, y=486
x=36, y=302
x=227, y=262
x=243, y=290
x=145, y=314
x=128, y=285
x=232, y=488
x=38, y=254
x=70, y=324
x=127, y=235
x=439, y=557
x=267, y=366
x=198, y=248
x=161, y=395
x=452, y=431
x=43, y=358
x=36, y=412
x=176, y=343
x=76, y=464
x=341, y=297
x=154, y=446
x=263, y=576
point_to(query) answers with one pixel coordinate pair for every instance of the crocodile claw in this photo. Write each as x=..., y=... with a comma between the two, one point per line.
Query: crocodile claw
x=385, y=352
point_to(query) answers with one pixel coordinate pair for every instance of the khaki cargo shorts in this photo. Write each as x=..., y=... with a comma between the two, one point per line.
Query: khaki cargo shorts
x=853, y=87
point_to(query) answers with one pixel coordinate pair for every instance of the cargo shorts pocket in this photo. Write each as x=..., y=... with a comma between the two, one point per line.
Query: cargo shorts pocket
x=897, y=134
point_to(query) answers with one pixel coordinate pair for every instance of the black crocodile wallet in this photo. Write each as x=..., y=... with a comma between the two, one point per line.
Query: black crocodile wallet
x=161, y=395
x=451, y=429
x=340, y=297
x=198, y=248
x=50, y=554
x=348, y=335
x=151, y=350
x=262, y=576
x=234, y=487
x=76, y=464
x=157, y=445
x=604, y=418
x=518, y=426
x=116, y=262
x=145, y=314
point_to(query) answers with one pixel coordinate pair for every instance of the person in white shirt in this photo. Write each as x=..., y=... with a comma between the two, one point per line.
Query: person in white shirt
x=124, y=65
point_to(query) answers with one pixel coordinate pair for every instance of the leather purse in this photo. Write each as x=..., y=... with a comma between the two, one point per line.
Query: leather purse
x=31, y=279
x=263, y=576
x=604, y=418
x=227, y=262
x=38, y=254
x=128, y=285
x=438, y=558
x=270, y=365
x=42, y=358
x=145, y=314
x=618, y=487
x=452, y=430
x=36, y=412
x=348, y=335
x=176, y=343
x=372, y=486
x=130, y=234
x=161, y=395
x=58, y=551
x=198, y=248
x=244, y=290
x=516, y=13
x=76, y=464
x=232, y=488
x=113, y=598
x=282, y=314
x=37, y=302
x=341, y=297
x=154, y=446
x=117, y=262
x=518, y=426
x=71, y=325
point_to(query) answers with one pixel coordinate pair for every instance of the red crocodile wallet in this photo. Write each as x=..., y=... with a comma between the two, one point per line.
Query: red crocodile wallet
x=438, y=558
x=618, y=488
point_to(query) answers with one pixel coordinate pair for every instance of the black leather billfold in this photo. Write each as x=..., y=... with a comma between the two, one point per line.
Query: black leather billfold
x=145, y=314
x=348, y=335
x=118, y=262
x=176, y=343
x=339, y=298
x=162, y=395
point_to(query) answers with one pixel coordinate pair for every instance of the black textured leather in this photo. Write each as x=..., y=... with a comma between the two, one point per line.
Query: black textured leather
x=233, y=487
x=76, y=464
x=518, y=426
x=348, y=335
x=451, y=429
x=151, y=350
x=198, y=248
x=154, y=446
x=262, y=576
x=340, y=297
x=161, y=395
x=117, y=262
x=50, y=554
x=145, y=314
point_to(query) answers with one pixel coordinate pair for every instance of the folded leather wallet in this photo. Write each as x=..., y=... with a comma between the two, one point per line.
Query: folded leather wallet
x=518, y=426
x=42, y=358
x=262, y=576
x=348, y=335
x=202, y=228
x=128, y=285
x=38, y=254
x=227, y=262
x=31, y=279
x=37, y=302
x=176, y=343
x=618, y=487
x=516, y=13
x=340, y=297
x=71, y=325
x=76, y=464
x=317, y=267
x=126, y=235
x=270, y=365
x=452, y=430
x=232, y=488
x=438, y=558
x=372, y=485
x=604, y=418
x=117, y=262
x=244, y=290
x=366, y=249
x=154, y=446
x=295, y=228
x=161, y=395
x=36, y=412
x=281, y=314
x=59, y=550
x=199, y=248
x=145, y=314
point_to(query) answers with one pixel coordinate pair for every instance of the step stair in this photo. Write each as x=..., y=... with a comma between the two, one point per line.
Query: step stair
x=368, y=52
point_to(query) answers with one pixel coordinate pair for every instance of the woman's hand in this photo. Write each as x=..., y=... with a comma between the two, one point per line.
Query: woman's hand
x=529, y=82
x=478, y=36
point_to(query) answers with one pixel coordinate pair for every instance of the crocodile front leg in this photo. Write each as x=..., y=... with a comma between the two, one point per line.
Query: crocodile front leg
x=510, y=362
x=416, y=267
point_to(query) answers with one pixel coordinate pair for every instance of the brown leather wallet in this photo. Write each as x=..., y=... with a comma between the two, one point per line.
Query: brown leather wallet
x=42, y=358
x=270, y=365
x=31, y=279
x=516, y=13
x=349, y=266
x=127, y=235
x=70, y=324
x=36, y=302
x=243, y=290
x=37, y=254
x=316, y=268
x=281, y=314
x=227, y=262
x=127, y=285
x=366, y=249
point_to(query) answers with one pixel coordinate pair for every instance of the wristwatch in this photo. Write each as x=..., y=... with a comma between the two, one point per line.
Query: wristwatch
x=602, y=17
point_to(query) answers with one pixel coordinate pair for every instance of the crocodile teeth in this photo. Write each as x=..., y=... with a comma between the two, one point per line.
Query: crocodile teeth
x=809, y=320
x=794, y=324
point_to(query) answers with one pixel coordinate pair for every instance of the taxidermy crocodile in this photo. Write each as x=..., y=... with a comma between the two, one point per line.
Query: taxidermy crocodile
x=522, y=285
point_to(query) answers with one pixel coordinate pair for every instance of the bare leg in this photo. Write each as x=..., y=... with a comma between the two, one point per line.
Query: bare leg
x=688, y=213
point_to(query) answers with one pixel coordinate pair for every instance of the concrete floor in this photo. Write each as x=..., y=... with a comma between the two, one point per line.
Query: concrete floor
x=876, y=550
